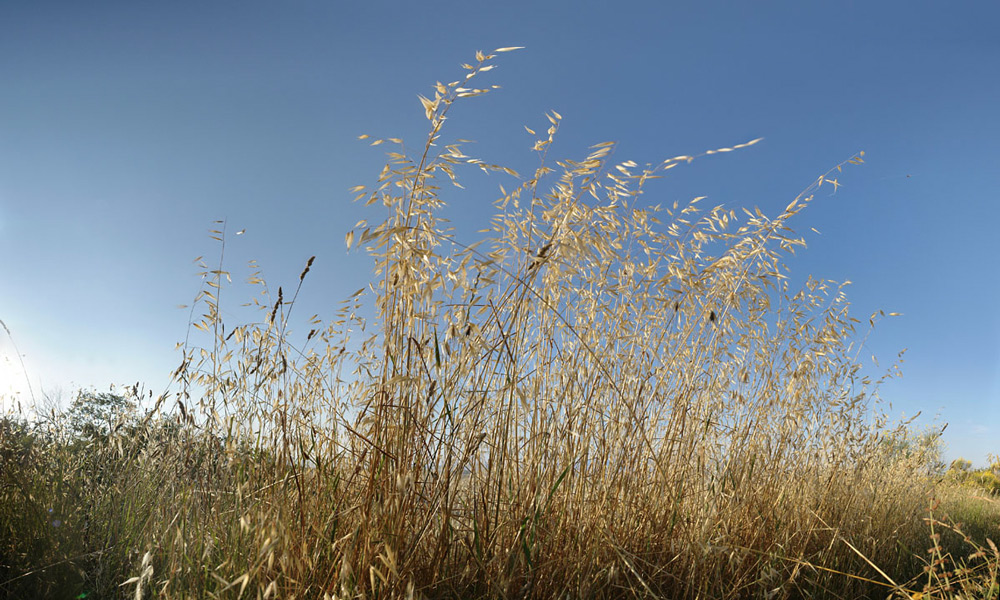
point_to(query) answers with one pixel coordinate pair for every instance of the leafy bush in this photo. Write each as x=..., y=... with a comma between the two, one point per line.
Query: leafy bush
x=985, y=480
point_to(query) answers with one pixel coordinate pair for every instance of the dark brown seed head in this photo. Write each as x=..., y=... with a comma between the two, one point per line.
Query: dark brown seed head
x=306, y=270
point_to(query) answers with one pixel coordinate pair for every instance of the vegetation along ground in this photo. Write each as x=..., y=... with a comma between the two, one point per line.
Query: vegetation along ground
x=600, y=398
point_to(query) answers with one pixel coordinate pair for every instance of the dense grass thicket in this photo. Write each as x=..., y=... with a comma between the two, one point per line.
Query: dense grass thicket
x=600, y=398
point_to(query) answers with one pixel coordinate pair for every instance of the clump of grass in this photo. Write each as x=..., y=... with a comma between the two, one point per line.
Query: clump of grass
x=958, y=565
x=600, y=398
x=76, y=503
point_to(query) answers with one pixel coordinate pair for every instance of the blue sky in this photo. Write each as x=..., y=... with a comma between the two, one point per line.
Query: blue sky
x=126, y=128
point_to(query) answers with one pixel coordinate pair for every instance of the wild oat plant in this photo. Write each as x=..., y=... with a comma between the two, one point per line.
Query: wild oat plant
x=600, y=398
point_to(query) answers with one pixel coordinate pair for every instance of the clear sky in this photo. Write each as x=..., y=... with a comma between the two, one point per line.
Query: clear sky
x=126, y=128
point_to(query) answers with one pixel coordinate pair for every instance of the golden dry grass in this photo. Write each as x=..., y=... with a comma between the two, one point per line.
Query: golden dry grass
x=600, y=398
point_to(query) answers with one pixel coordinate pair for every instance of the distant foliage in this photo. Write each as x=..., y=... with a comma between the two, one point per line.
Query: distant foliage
x=93, y=415
x=986, y=479
x=922, y=449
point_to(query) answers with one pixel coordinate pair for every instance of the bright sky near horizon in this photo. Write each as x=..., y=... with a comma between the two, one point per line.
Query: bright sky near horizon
x=127, y=128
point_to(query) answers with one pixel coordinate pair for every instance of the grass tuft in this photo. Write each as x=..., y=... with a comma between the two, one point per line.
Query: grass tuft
x=600, y=398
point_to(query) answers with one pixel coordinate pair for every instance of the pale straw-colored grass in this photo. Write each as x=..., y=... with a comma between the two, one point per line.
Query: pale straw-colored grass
x=599, y=398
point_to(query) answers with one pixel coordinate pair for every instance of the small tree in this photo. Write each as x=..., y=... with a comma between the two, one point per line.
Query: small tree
x=924, y=447
x=94, y=415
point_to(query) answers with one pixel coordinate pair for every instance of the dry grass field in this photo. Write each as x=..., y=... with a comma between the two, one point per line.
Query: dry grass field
x=599, y=398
